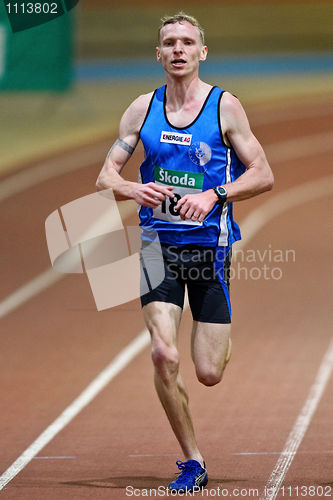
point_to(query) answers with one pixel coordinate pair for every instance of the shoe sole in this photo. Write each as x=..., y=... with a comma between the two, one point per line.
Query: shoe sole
x=201, y=485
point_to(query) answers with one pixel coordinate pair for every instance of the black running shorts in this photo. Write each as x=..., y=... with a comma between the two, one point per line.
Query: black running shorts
x=205, y=271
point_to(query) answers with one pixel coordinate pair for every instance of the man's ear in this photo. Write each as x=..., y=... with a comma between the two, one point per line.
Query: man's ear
x=158, y=54
x=204, y=52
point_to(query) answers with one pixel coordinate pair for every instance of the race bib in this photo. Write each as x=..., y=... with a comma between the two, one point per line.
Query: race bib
x=183, y=183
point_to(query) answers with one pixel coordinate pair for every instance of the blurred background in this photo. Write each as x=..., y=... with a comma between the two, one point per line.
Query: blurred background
x=68, y=81
x=63, y=88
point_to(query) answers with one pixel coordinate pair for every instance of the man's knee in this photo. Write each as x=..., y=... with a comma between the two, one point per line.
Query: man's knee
x=209, y=376
x=166, y=360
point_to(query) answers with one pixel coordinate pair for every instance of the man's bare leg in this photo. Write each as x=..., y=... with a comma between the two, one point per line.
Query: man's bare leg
x=211, y=350
x=162, y=320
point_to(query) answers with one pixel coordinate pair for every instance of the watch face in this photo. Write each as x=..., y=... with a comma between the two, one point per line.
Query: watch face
x=221, y=191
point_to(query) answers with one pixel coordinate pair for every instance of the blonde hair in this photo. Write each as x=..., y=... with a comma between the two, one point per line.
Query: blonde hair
x=179, y=18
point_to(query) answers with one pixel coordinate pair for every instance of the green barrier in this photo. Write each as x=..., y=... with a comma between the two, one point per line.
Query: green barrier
x=39, y=58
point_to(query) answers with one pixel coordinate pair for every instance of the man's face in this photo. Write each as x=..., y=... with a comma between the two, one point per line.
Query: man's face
x=180, y=49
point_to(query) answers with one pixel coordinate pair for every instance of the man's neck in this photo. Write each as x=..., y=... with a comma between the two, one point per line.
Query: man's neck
x=181, y=92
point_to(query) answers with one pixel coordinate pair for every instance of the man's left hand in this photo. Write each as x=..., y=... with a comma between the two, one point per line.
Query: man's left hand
x=196, y=206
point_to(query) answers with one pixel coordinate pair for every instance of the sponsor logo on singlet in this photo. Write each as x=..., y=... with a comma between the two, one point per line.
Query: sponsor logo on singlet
x=200, y=153
x=183, y=183
x=178, y=178
x=175, y=138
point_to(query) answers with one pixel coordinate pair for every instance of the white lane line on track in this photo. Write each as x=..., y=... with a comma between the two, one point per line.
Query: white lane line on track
x=277, y=152
x=300, y=427
x=251, y=226
x=51, y=168
x=30, y=289
x=264, y=117
x=301, y=147
x=286, y=200
x=236, y=454
x=282, y=202
x=69, y=162
x=51, y=458
x=154, y=455
x=97, y=385
x=283, y=453
x=49, y=277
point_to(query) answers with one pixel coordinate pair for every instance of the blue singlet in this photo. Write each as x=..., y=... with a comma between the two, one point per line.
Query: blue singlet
x=192, y=159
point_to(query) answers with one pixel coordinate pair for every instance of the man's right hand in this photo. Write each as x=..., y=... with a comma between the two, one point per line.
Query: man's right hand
x=151, y=194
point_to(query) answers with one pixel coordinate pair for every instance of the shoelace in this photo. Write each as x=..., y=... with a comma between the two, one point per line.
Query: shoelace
x=184, y=467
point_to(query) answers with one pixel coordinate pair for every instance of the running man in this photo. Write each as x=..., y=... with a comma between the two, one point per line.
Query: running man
x=200, y=156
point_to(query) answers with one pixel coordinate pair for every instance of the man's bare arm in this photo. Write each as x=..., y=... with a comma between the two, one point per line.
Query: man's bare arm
x=149, y=194
x=258, y=176
x=122, y=144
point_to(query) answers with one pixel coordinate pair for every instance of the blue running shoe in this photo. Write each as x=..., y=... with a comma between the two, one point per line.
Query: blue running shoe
x=191, y=478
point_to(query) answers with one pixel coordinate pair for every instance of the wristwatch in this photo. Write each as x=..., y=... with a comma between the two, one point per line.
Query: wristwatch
x=221, y=193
